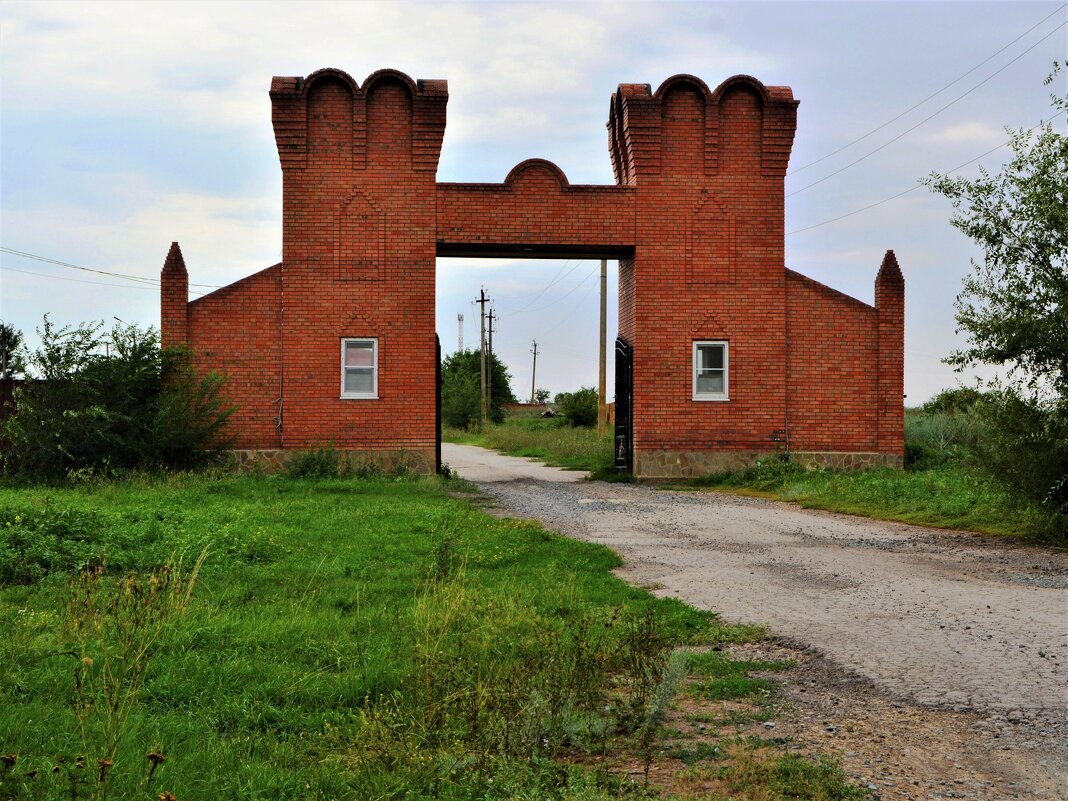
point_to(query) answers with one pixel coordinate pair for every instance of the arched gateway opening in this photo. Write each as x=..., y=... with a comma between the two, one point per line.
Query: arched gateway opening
x=723, y=355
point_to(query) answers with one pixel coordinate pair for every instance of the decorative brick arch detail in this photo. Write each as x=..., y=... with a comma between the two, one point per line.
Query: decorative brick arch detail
x=360, y=242
x=695, y=217
x=542, y=165
x=709, y=328
x=328, y=73
x=390, y=74
x=711, y=244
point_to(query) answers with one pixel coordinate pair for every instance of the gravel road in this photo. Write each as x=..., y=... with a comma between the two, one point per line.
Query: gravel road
x=966, y=627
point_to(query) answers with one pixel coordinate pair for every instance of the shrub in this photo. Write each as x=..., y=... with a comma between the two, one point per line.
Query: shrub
x=324, y=462
x=134, y=406
x=579, y=407
x=1024, y=445
x=955, y=400
x=938, y=438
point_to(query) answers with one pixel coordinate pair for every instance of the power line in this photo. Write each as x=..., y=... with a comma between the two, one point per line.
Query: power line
x=929, y=97
x=76, y=280
x=554, y=302
x=556, y=278
x=914, y=188
x=83, y=281
x=531, y=292
x=925, y=119
x=45, y=259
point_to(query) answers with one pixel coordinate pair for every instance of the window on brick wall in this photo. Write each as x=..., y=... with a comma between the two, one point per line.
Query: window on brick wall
x=710, y=368
x=359, y=368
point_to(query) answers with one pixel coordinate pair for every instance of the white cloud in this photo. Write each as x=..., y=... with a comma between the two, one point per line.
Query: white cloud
x=971, y=132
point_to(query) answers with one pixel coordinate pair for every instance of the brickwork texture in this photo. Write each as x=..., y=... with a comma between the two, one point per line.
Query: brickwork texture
x=696, y=219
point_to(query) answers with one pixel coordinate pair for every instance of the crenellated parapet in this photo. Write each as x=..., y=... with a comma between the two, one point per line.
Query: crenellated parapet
x=390, y=122
x=684, y=128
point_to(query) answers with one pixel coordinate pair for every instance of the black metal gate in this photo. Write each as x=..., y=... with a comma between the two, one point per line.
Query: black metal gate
x=624, y=400
x=437, y=404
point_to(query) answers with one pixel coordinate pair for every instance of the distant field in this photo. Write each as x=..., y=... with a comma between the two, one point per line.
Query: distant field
x=359, y=638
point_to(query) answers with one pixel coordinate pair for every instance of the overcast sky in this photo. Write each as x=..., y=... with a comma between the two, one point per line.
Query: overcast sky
x=128, y=125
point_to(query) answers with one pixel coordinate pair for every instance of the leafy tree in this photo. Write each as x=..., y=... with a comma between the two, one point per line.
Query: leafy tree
x=958, y=400
x=579, y=407
x=1014, y=310
x=1014, y=307
x=12, y=359
x=461, y=385
x=134, y=405
x=541, y=396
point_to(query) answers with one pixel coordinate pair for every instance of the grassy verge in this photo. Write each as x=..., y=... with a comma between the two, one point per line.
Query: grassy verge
x=945, y=497
x=343, y=639
x=553, y=441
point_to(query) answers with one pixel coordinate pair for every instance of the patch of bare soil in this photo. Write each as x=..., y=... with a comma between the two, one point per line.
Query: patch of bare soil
x=896, y=751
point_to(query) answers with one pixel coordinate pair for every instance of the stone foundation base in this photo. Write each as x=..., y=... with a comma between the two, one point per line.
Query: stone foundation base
x=419, y=461
x=690, y=464
x=840, y=460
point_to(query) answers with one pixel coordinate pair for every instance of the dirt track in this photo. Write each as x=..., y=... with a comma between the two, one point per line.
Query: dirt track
x=963, y=640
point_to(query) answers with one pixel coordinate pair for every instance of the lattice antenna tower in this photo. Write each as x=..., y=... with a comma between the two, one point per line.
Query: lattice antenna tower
x=460, y=325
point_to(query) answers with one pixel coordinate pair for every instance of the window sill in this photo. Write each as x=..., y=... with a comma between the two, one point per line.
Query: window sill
x=359, y=397
x=710, y=399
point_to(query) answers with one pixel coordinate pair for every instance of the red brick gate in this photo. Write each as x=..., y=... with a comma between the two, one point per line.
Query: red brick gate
x=733, y=354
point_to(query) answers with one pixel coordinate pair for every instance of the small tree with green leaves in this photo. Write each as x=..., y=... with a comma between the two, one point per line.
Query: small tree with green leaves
x=1014, y=306
x=461, y=387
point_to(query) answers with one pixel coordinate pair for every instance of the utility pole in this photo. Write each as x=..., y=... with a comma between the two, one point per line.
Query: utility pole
x=460, y=325
x=602, y=405
x=534, y=371
x=482, y=300
x=489, y=369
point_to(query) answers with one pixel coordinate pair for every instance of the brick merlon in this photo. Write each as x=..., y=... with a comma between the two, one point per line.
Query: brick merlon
x=296, y=85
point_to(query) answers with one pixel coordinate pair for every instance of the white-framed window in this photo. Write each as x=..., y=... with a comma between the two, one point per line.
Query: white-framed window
x=359, y=368
x=710, y=371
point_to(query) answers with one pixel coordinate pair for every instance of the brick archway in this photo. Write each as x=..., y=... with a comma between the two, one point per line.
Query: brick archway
x=734, y=355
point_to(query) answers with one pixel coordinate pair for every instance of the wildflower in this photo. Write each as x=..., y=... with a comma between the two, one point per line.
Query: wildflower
x=167, y=795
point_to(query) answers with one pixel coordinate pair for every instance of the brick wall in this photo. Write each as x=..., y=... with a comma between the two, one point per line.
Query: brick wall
x=236, y=331
x=708, y=265
x=696, y=219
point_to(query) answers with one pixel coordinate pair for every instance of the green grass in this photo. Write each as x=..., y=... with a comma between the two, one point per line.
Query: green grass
x=721, y=678
x=781, y=777
x=554, y=441
x=345, y=639
x=944, y=497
